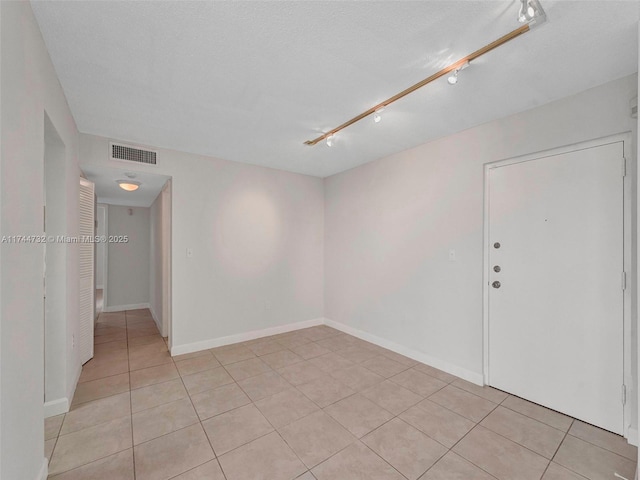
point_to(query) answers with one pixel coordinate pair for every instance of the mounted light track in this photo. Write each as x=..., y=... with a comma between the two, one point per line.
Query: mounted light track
x=539, y=18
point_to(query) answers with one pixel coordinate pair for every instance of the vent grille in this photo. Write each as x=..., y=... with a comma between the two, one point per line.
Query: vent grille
x=130, y=154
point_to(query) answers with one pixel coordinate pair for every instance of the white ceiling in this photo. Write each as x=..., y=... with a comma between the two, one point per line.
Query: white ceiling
x=108, y=191
x=251, y=81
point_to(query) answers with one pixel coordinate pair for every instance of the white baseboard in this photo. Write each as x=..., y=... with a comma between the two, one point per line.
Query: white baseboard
x=243, y=337
x=44, y=470
x=56, y=407
x=154, y=315
x=63, y=405
x=632, y=436
x=122, y=308
x=463, y=373
x=72, y=388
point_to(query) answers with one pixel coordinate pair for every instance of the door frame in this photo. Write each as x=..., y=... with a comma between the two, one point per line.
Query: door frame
x=105, y=259
x=628, y=148
x=166, y=214
x=102, y=207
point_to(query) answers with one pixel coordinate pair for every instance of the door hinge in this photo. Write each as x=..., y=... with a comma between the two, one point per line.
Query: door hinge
x=624, y=167
x=624, y=394
x=624, y=280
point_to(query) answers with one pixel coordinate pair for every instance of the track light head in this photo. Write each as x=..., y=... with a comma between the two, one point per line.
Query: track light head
x=453, y=78
x=330, y=140
x=531, y=12
x=377, y=115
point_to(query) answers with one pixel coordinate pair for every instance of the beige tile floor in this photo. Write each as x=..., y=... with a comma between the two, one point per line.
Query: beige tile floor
x=311, y=404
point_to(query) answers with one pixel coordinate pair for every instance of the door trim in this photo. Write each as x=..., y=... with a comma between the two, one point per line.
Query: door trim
x=166, y=227
x=626, y=139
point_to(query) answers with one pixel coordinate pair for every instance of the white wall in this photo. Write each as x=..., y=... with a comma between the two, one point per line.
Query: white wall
x=635, y=262
x=389, y=226
x=1, y=230
x=155, y=261
x=29, y=87
x=127, y=262
x=257, y=242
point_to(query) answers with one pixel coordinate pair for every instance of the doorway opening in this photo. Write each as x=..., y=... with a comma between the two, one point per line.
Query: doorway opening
x=133, y=264
x=56, y=330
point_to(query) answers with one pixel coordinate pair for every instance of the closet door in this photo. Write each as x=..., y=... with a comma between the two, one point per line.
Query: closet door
x=87, y=269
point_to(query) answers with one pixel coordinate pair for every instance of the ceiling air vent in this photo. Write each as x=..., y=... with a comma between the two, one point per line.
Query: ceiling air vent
x=132, y=154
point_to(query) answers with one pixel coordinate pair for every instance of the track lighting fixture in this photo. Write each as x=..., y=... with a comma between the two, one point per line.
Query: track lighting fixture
x=377, y=115
x=453, y=78
x=330, y=141
x=531, y=14
x=526, y=12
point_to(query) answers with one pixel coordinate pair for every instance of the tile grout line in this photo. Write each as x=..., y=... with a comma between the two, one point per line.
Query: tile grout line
x=558, y=448
x=356, y=392
x=215, y=455
x=295, y=387
x=102, y=423
x=466, y=434
x=565, y=432
x=533, y=418
x=133, y=450
x=518, y=443
x=569, y=434
x=275, y=429
x=359, y=392
x=59, y=435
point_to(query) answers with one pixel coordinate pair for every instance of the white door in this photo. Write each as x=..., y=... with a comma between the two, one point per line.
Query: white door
x=87, y=272
x=556, y=316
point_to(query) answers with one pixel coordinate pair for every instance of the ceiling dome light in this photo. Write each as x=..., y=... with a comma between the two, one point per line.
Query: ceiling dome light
x=128, y=185
x=330, y=141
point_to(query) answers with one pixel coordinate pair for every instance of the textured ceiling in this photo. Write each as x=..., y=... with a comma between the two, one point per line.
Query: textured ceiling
x=251, y=81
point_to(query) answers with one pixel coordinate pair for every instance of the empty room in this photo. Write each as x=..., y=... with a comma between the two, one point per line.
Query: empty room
x=319, y=240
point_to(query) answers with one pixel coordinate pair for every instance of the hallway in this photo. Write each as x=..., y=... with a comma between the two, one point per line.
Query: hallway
x=310, y=404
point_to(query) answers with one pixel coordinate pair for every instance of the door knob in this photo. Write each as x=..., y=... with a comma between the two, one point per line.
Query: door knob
x=496, y=284
x=496, y=245
x=497, y=268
